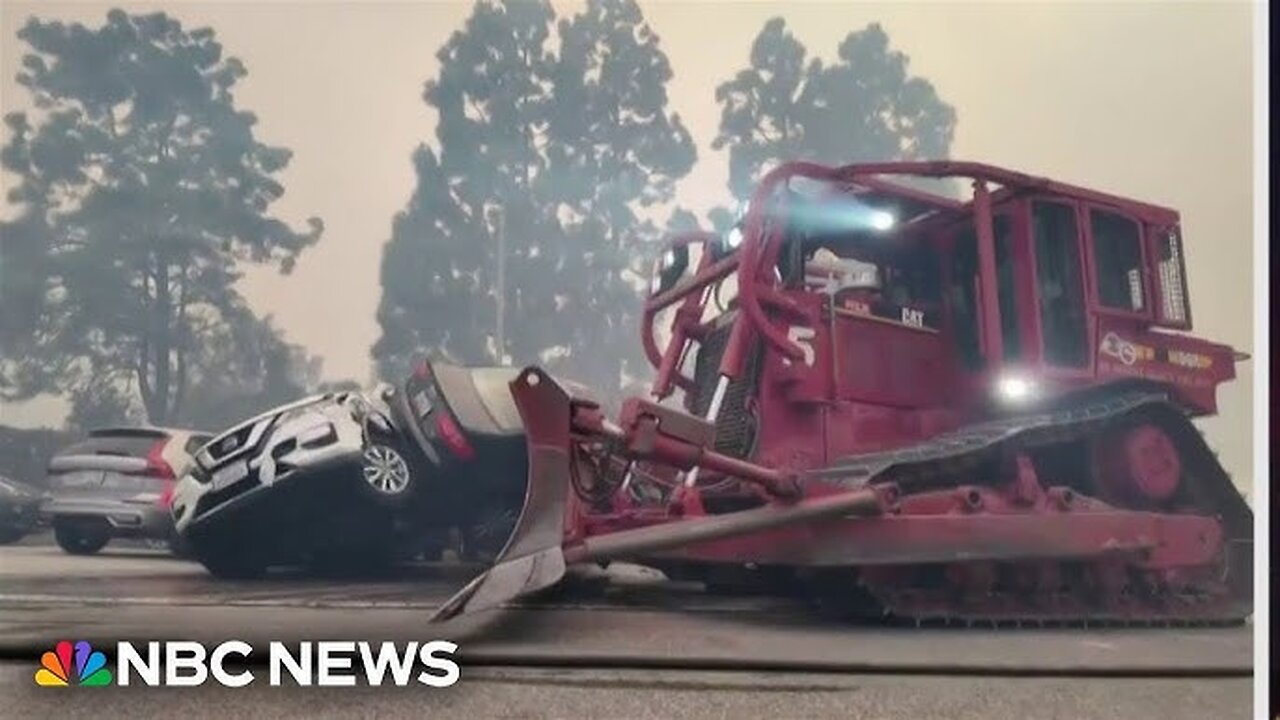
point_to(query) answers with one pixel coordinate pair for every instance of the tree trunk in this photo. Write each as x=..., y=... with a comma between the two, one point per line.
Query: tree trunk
x=158, y=347
x=183, y=345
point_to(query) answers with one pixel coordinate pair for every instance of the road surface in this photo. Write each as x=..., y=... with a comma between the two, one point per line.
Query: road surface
x=641, y=649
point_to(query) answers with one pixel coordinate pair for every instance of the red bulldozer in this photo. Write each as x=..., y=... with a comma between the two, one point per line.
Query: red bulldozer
x=909, y=405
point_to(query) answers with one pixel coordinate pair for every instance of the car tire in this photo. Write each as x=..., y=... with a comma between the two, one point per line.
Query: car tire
x=81, y=537
x=387, y=475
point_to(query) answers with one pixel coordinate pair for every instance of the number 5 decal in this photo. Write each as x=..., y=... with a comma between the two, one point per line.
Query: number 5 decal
x=803, y=337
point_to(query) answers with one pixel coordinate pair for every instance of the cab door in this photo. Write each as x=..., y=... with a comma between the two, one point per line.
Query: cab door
x=965, y=314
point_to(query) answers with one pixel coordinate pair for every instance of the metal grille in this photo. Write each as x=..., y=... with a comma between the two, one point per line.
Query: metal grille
x=735, y=427
x=1173, y=301
x=223, y=495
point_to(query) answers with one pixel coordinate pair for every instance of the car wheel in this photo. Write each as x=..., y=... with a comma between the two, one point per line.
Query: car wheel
x=81, y=537
x=386, y=474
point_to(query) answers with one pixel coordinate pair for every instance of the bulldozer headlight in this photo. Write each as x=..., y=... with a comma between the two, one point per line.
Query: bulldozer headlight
x=1014, y=389
x=881, y=220
x=841, y=215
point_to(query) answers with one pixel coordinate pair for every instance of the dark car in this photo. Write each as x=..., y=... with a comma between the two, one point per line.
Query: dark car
x=465, y=421
x=19, y=510
x=467, y=425
x=117, y=483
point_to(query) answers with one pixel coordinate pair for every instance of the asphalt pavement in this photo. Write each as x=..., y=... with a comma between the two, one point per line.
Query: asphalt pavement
x=530, y=693
x=640, y=647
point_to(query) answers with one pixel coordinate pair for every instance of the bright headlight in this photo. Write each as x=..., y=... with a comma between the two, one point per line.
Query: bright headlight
x=882, y=220
x=1014, y=389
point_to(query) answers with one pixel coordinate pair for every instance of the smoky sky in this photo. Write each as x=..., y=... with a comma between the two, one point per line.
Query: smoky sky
x=1150, y=100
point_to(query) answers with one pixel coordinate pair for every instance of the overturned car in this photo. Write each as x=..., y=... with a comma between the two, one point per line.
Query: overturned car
x=360, y=478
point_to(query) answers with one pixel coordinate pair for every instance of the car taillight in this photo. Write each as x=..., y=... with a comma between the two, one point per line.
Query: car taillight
x=157, y=466
x=452, y=436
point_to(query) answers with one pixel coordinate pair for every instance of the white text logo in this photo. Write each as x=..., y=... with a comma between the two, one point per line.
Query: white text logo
x=329, y=663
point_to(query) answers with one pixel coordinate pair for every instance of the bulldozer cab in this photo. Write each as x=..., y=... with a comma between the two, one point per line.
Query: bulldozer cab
x=1070, y=290
x=842, y=296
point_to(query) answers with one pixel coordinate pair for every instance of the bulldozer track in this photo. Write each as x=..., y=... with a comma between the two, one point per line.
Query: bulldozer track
x=793, y=606
x=952, y=451
x=1107, y=592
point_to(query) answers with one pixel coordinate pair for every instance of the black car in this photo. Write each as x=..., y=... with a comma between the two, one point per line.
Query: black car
x=469, y=430
x=19, y=510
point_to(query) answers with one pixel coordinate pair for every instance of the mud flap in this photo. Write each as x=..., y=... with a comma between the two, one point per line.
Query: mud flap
x=532, y=559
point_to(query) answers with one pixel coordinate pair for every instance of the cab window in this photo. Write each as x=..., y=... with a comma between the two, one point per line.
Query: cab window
x=911, y=276
x=1006, y=291
x=964, y=300
x=1058, y=283
x=1117, y=253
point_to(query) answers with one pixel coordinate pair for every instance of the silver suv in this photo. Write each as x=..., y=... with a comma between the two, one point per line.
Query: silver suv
x=117, y=483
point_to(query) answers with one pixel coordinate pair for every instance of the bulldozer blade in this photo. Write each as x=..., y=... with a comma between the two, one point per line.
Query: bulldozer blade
x=504, y=582
x=532, y=558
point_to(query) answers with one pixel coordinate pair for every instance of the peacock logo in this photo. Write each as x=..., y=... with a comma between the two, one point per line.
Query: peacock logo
x=57, y=670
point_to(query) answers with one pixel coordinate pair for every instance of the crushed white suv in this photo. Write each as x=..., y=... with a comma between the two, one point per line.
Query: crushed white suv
x=250, y=498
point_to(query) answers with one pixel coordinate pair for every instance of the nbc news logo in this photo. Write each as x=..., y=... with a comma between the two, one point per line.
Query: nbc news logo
x=191, y=664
